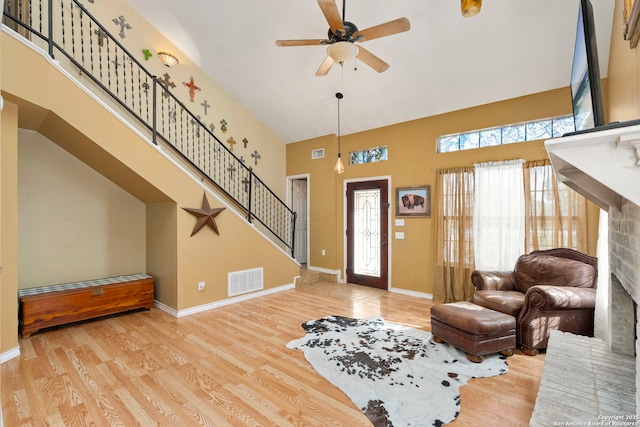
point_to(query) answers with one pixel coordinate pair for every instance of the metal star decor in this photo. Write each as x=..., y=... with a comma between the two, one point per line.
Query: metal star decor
x=205, y=215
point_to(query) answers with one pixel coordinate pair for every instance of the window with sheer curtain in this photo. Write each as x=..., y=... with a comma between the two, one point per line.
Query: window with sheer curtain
x=498, y=214
x=553, y=216
x=556, y=215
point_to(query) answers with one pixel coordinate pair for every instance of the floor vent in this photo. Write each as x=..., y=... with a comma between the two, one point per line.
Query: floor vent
x=241, y=282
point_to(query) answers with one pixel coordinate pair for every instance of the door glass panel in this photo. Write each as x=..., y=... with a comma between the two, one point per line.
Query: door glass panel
x=366, y=221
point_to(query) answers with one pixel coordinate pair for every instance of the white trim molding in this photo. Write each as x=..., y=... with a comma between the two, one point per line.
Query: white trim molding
x=234, y=300
x=408, y=293
x=10, y=354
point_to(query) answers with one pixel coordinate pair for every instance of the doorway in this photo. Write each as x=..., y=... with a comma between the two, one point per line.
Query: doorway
x=367, y=216
x=299, y=203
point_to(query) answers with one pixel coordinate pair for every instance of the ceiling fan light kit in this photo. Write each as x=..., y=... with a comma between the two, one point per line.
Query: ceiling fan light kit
x=343, y=36
x=341, y=51
x=470, y=7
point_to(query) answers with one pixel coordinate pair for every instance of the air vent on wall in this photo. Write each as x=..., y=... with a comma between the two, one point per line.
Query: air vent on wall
x=317, y=154
x=241, y=282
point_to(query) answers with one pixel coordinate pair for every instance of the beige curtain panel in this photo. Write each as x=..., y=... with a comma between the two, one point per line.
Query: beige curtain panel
x=555, y=216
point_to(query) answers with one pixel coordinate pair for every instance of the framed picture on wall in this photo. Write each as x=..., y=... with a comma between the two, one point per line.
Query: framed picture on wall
x=413, y=201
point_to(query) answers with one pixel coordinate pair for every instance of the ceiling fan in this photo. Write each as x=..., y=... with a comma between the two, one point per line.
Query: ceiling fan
x=342, y=38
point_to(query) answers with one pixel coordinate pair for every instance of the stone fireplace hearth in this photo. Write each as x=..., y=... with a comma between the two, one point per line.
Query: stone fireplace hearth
x=604, y=166
x=624, y=283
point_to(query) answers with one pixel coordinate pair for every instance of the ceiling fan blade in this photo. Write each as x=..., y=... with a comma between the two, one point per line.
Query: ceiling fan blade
x=332, y=15
x=304, y=42
x=371, y=60
x=396, y=26
x=325, y=66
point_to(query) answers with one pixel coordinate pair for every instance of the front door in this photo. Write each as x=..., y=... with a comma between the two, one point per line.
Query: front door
x=367, y=233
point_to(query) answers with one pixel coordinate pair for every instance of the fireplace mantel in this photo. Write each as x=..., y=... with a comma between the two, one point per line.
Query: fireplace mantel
x=603, y=165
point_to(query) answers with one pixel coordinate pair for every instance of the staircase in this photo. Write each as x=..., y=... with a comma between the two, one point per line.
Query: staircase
x=309, y=277
x=72, y=36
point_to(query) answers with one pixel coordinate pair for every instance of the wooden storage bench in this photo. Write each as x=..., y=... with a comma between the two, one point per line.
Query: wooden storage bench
x=71, y=302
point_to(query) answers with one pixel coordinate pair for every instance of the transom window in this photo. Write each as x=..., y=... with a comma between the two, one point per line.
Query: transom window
x=370, y=155
x=509, y=134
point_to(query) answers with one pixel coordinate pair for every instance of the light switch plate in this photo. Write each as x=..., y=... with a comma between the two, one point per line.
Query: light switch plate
x=399, y=235
x=399, y=222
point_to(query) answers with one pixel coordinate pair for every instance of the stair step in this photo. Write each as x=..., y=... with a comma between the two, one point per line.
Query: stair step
x=308, y=277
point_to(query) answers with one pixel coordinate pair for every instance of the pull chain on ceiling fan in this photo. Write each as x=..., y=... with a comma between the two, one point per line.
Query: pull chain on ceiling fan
x=343, y=36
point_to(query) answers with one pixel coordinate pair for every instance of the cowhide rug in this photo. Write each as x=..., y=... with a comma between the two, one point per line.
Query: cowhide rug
x=395, y=374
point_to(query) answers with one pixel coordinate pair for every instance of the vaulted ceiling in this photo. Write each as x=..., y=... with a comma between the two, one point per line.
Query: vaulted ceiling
x=443, y=63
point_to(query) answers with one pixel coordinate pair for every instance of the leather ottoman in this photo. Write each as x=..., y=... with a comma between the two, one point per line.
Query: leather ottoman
x=473, y=329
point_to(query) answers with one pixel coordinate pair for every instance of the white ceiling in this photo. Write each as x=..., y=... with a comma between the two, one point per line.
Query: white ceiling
x=443, y=63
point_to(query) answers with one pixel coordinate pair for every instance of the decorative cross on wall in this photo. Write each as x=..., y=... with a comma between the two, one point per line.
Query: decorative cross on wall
x=124, y=25
x=147, y=54
x=223, y=125
x=145, y=87
x=245, y=181
x=231, y=142
x=242, y=159
x=256, y=156
x=212, y=127
x=192, y=88
x=217, y=150
x=206, y=106
x=101, y=36
x=245, y=141
x=166, y=82
x=172, y=115
x=115, y=63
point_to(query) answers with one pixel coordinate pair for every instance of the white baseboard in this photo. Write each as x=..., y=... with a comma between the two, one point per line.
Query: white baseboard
x=162, y=307
x=411, y=293
x=228, y=301
x=10, y=354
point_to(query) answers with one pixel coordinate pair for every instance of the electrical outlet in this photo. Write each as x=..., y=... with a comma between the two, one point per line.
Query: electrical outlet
x=323, y=253
x=201, y=286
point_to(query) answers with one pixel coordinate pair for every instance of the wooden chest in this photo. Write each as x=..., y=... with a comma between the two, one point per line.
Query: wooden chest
x=71, y=302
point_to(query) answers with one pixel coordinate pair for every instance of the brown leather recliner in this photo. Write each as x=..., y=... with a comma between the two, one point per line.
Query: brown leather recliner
x=548, y=290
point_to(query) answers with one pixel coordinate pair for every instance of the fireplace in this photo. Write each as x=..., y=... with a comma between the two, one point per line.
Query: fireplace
x=604, y=166
x=624, y=281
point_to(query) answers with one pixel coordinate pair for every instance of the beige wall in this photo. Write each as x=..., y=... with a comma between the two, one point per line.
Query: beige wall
x=624, y=73
x=412, y=161
x=101, y=141
x=74, y=224
x=162, y=247
x=9, y=225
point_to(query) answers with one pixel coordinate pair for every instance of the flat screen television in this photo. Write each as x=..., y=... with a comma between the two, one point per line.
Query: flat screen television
x=586, y=90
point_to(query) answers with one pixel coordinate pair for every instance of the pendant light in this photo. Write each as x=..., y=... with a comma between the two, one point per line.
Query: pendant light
x=339, y=168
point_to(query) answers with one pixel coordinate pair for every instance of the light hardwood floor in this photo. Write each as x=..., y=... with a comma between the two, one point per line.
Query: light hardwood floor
x=228, y=366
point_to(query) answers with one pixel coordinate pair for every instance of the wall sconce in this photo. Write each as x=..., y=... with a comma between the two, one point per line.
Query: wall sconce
x=470, y=7
x=168, y=59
